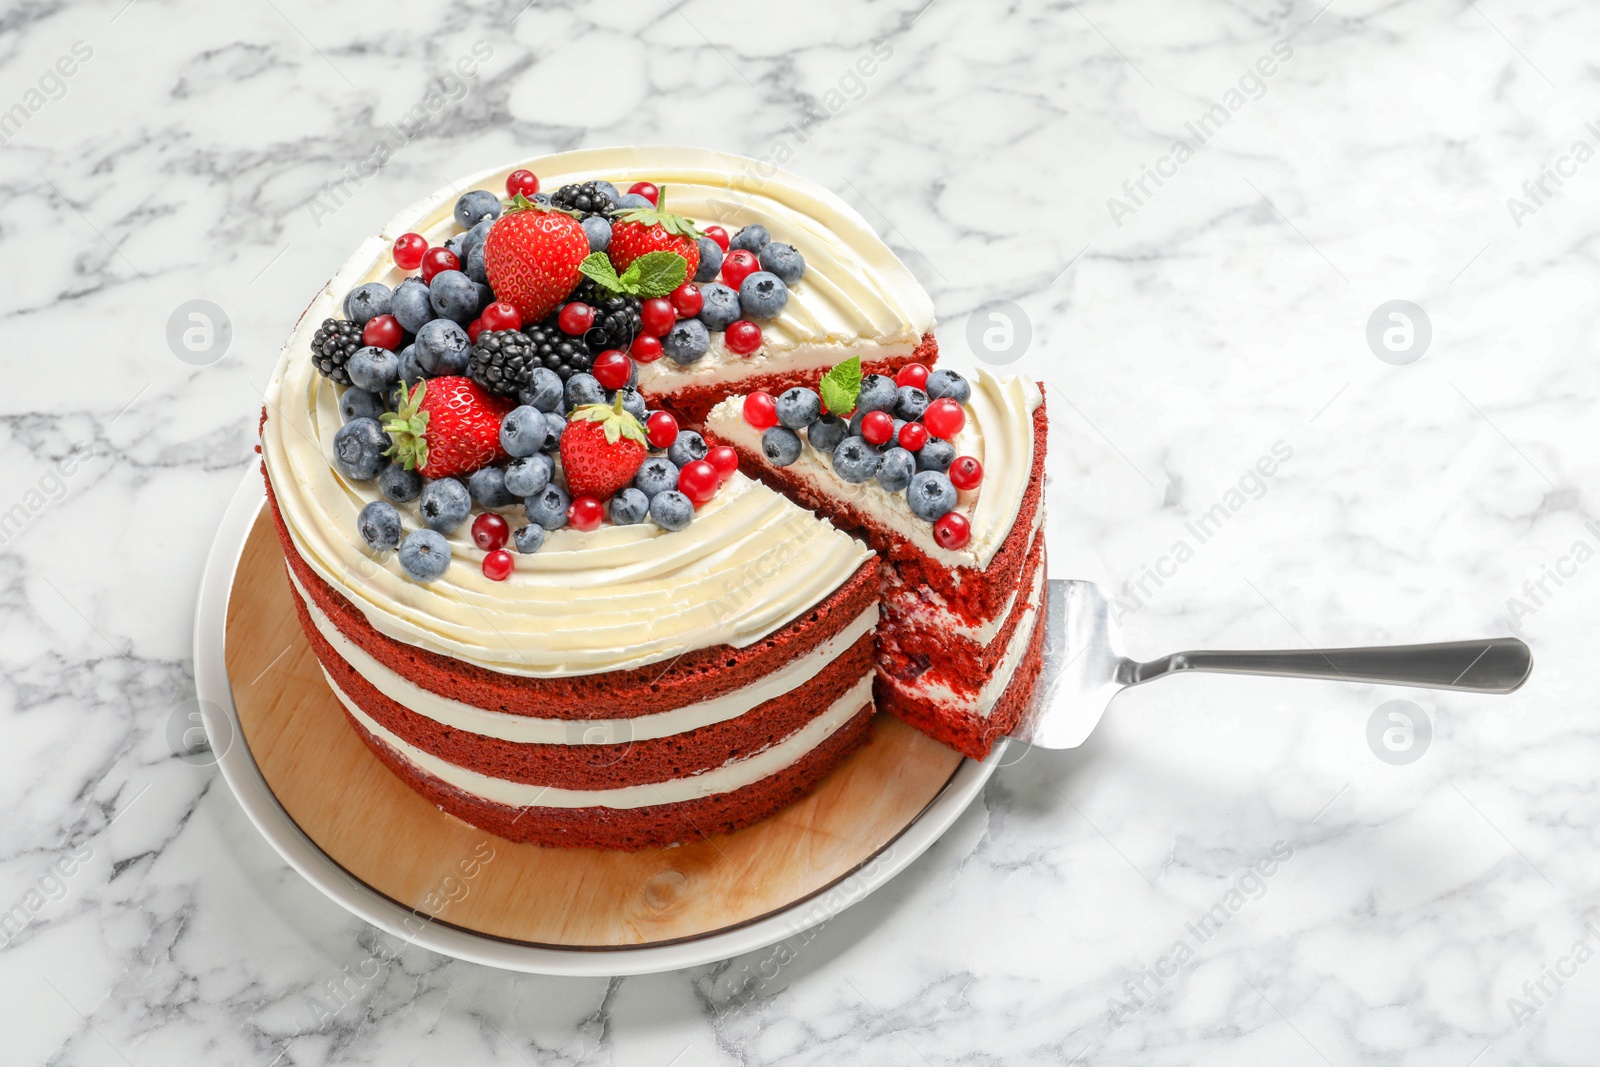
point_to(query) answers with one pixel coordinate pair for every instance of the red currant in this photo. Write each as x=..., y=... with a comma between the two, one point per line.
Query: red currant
x=719, y=235
x=913, y=435
x=698, y=481
x=575, y=318
x=686, y=300
x=408, y=250
x=584, y=513
x=490, y=530
x=474, y=328
x=913, y=374
x=435, y=260
x=501, y=316
x=966, y=472
x=739, y=265
x=660, y=429
x=743, y=337
x=657, y=316
x=498, y=565
x=382, y=331
x=612, y=368
x=646, y=190
x=944, y=418
x=877, y=427
x=525, y=182
x=645, y=349
x=952, y=530
x=725, y=459
x=761, y=411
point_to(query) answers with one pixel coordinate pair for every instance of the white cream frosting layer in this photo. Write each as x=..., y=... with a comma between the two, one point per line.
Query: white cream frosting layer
x=927, y=609
x=998, y=433
x=724, y=779
x=525, y=729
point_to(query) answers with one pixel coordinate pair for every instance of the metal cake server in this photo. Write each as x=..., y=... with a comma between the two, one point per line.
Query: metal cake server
x=1085, y=667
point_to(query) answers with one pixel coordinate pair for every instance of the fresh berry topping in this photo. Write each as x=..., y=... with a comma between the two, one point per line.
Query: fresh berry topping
x=657, y=316
x=762, y=295
x=490, y=530
x=742, y=337
x=752, y=238
x=719, y=306
x=826, y=433
x=447, y=426
x=913, y=435
x=686, y=300
x=947, y=383
x=575, y=319
x=374, y=369
x=780, y=445
x=799, y=407
x=783, y=260
x=529, y=538
x=601, y=449
x=474, y=328
x=725, y=459
x=408, y=250
x=877, y=427
x=379, y=525
x=671, y=510
x=617, y=320
x=531, y=257
x=472, y=207
x=445, y=504
x=424, y=555
x=365, y=301
x=547, y=507
x=498, y=565
x=855, y=461
x=612, y=368
x=952, y=530
x=687, y=341
x=930, y=495
x=438, y=259
x=913, y=374
x=442, y=348
x=760, y=410
x=698, y=481
x=661, y=429
x=646, y=190
x=335, y=341
x=501, y=316
x=944, y=418
x=557, y=351
x=521, y=182
x=719, y=235
x=502, y=360
x=897, y=470
x=587, y=198
x=738, y=266
x=645, y=349
x=585, y=513
x=636, y=232
x=966, y=472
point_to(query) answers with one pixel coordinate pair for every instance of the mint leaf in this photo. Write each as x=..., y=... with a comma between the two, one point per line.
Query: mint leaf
x=597, y=267
x=655, y=274
x=841, y=386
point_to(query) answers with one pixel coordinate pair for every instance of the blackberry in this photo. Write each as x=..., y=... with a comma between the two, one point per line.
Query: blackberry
x=617, y=320
x=335, y=341
x=587, y=198
x=502, y=361
x=556, y=351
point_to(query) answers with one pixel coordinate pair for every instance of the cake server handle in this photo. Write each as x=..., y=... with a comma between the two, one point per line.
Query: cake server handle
x=1487, y=665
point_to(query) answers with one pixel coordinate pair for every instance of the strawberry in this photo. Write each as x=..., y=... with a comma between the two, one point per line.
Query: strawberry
x=447, y=426
x=601, y=449
x=642, y=230
x=532, y=255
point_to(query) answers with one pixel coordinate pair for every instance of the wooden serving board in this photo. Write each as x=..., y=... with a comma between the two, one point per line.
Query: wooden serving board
x=381, y=832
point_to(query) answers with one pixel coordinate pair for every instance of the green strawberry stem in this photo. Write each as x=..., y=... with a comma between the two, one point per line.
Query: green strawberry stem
x=408, y=429
x=613, y=419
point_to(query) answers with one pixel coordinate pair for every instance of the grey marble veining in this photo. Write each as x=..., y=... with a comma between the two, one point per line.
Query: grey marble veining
x=1226, y=873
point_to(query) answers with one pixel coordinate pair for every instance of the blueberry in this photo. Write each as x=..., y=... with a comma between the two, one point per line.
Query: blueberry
x=780, y=445
x=477, y=266
x=366, y=301
x=762, y=295
x=855, y=461
x=454, y=296
x=529, y=538
x=523, y=432
x=910, y=403
x=410, y=305
x=877, y=394
x=557, y=425
x=457, y=246
x=897, y=470
x=424, y=555
x=627, y=507
x=671, y=510
x=629, y=201
x=656, y=475
x=474, y=238
x=543, y=199
x=410, y=368
x=688, y=447
x=710, y=260
x=598, y=230
x=445, y=504
x=528, y=475
x=583, y=389
x=753, y=238
x=719, y=306
x=359, y=404
x=947, y=383
x=826, y=433
x=379, y=524
x=783, y=260
x=487, y=487
x=373, y=369
x=476, y=206
x=544, y=391
x=633, y=403
x=443, y=348
x=930, y=495
x=548, y=507
x=936, y=455
x=358, y=449
x=610, y=190
x=687, y=341
x=799, y=407
x=399, y=485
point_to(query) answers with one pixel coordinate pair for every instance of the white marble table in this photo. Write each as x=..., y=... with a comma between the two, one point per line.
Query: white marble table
x=1188, y=330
